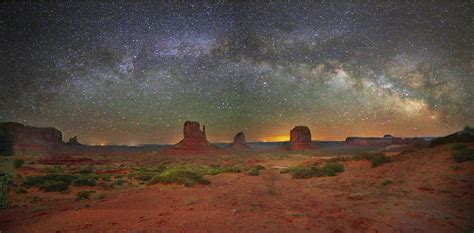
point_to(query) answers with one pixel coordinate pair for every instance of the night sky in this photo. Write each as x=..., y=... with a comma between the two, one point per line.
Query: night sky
x=132, y=73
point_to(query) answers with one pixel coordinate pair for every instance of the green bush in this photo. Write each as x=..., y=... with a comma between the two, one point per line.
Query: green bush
x=328, y=169
x=87, y=170
x=379, y=160
x=19, y=163
x=333, y=168
x=179, y=175
x=55, y=186
x=84, y=182
x=254, y=171
x=463, y=155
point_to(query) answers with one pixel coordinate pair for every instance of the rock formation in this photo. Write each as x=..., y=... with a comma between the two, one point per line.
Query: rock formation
x=239, y=142
x=383, y=141
x=194, y=139
x=73, y=141
x=18, y=138
x=300, y=138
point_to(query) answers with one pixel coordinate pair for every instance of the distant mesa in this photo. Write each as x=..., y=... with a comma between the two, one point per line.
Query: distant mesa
x=73, y=142
x=239, y=142
x=16, y=138
x=386, y=140
x=300, y=138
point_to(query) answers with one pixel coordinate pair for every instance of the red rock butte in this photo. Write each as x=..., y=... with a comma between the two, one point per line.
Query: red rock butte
x=194, y=139
x=300, y=138
x=239, y=142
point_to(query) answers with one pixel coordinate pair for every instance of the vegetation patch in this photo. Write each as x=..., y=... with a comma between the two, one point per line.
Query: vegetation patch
x=386, y=182
x=85, y=181
x=305, y=172
x=379, y=160
x=179, y=175
x=55, y=186
x=39, y=181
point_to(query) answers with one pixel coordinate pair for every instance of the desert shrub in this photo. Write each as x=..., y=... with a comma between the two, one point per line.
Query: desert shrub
x=39, y=181
x=379, y=160
x=85, y=181
x=253, y=171
x=328, y=169
x=83, y=195
x=179, y=175
x=463, y=155
x=333, y=168
x=19, y=163
x=55, y=186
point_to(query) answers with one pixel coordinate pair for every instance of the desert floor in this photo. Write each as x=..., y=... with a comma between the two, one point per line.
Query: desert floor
x=423, y=190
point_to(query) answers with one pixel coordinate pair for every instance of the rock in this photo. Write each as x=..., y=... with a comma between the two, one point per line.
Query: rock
x=300, y=138
x=194, y=139
x=18, y=138
x=73, y=141
x=239, y=142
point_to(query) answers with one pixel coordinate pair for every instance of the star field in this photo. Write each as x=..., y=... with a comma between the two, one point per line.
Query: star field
x=132, y=73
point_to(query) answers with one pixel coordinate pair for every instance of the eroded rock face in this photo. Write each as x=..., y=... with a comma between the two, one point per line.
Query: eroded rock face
x=239, y=141
x=194, y=139
x=300, y=138
x=16, y=137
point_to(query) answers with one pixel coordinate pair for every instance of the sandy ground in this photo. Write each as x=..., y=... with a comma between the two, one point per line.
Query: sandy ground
x=427, y=193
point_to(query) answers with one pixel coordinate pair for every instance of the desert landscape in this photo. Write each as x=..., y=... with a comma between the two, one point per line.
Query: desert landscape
x=236, y=116
x=365, y=185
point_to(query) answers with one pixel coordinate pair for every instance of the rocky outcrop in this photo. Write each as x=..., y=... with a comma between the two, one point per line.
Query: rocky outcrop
x=17, y=138
x=239, y=142
x=300, y=138
x=73, y=142
x=194, y=141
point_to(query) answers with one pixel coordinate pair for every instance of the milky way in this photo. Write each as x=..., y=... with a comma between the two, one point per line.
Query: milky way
x=132, y=73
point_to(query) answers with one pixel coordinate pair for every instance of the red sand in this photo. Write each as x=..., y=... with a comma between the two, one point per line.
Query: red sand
x=426, y=195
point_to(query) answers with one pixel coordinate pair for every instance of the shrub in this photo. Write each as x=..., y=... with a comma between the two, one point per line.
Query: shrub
x=83, y=195
x=333, y=168
x=19, y=163
x=329, y=169
x=84, y=182
x=463, y=155
x=55, y=186
x=214, y=170
x=39, y=181
x=379, y=160
x=254, y=171
x=179, y=175
x=87, y=170
x=367, y=156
